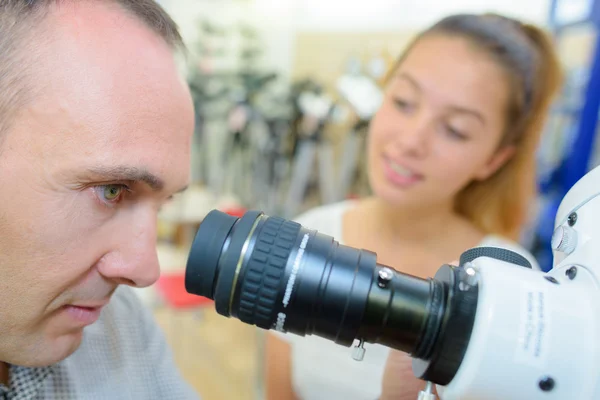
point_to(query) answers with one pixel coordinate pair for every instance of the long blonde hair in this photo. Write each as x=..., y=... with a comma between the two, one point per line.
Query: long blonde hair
x=499, y=204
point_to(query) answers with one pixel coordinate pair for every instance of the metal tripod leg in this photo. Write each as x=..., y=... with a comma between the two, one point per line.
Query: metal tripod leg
x=261, y=176
x=349, y=161
x=229, y=176
x=327, y=185
x=283, y=166
x=215, y=166
x=270, y=177
x=245, y=192
x=301, y=172
x=234, y=180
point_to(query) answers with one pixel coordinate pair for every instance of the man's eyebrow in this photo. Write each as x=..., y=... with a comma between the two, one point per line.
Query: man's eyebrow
x=128, y=173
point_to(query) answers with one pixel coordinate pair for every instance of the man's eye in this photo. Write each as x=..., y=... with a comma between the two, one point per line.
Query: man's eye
x=110, y=193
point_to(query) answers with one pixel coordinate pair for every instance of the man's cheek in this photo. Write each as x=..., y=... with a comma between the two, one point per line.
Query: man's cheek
x=66, y=231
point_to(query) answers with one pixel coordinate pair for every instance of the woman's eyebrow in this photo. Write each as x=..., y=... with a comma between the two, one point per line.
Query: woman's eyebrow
x=406, y=77
x=469, y=111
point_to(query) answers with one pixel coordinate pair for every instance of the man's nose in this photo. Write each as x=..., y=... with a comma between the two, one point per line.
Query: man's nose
x=134, y=259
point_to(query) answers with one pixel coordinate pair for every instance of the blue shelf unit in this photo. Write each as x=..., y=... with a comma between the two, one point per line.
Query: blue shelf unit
x=577, y=110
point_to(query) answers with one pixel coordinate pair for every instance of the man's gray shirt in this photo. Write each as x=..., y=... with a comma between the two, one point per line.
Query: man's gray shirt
x=122, y=356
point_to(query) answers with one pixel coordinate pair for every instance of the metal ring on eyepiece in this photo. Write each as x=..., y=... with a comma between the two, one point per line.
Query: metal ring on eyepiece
x=240, y=262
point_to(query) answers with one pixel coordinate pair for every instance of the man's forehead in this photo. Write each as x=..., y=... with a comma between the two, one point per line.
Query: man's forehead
x=111, y=103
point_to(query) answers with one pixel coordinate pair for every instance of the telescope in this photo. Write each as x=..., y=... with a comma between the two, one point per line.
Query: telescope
x=489, y=328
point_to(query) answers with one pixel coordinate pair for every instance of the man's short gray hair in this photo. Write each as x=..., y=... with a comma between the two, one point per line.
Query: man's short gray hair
x=19, y=17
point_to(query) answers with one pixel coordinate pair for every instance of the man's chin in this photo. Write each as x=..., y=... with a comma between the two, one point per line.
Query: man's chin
x=66, y=345
x=53, y=351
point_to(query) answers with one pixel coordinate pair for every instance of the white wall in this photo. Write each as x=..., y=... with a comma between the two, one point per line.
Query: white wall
x=381, y=15
x=273, y=19
x=280, y=20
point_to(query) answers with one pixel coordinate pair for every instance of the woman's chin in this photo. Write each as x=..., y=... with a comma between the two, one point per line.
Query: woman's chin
x=424, y=198
x=392, y=195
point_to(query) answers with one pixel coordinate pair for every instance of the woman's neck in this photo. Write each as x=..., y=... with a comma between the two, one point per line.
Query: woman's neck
x=414, y=240
x=413, y=224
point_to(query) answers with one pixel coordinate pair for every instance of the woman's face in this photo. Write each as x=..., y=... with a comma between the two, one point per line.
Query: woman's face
x=440, y=124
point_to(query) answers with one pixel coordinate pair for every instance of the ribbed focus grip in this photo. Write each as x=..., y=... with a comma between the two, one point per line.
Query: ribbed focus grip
x=497, y=253
x=453, y=335
x=436, y=307
x=265, y=270
x=452, y=345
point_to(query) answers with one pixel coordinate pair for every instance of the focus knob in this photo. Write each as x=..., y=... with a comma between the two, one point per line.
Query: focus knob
x=564, y=239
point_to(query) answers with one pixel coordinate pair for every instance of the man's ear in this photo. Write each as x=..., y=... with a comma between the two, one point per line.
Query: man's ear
x=499, y=158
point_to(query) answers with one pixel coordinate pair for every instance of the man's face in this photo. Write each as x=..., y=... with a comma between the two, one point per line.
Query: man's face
x=83, y=171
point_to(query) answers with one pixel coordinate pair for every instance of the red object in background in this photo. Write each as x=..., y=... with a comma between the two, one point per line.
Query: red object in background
x=171, y=287
x=235, y=211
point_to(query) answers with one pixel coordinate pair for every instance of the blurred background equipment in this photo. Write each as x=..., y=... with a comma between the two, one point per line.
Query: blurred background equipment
x=359, y=89
x=284, y=93
x=314, y=109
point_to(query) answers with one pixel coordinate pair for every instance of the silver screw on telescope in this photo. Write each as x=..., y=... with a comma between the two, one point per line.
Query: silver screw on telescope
x=469, y=277
x=358, y=352
x=385, y=276
x=427, y=393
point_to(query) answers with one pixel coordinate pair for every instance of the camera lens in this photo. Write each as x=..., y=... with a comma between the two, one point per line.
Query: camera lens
x=276, y=274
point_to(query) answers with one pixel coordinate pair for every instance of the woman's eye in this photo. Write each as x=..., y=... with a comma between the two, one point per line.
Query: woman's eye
x=455, y=133
x=402, y=104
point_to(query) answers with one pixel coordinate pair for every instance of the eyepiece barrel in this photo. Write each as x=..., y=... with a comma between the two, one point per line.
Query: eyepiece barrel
x=403, y=313
x=276, y=274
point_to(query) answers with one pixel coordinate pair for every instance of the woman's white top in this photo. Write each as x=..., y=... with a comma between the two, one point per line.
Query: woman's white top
x=323, y=370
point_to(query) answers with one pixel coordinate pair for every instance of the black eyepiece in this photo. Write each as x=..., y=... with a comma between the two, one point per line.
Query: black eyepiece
x=276, y=274
x=203, y=260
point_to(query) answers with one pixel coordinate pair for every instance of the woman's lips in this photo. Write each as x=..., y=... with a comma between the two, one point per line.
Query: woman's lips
x=400, y=175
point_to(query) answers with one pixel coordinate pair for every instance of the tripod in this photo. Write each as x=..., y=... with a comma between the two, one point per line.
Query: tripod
x=350, y=163
x=316, y=110
x=243, y=120
x=365, y=97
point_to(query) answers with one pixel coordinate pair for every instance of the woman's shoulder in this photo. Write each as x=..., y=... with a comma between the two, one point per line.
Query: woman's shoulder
x=326, y=218
x=505, y=243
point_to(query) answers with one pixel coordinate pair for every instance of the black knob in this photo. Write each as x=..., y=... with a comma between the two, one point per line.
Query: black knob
x=497, y=253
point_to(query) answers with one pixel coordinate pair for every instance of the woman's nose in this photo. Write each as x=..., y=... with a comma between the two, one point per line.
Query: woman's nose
x=413, y=137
